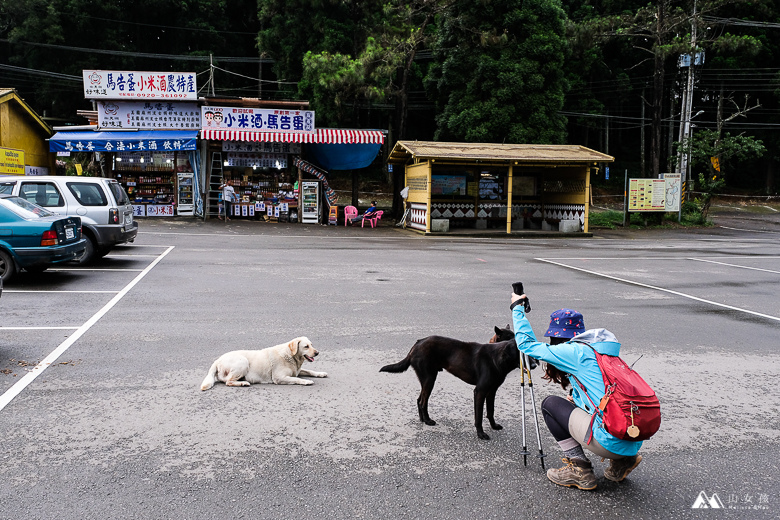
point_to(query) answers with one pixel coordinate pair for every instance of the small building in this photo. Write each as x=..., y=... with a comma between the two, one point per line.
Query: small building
x=500, y=186
x=21, y=129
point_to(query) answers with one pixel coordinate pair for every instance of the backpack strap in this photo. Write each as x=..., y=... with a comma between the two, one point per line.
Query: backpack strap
x=609, y=388
x=589, y=431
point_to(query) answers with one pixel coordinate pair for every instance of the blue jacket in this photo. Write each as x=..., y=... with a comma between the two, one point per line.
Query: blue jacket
x=577, y=358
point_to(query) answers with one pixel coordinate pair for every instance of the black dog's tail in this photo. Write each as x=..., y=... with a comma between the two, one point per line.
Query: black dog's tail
x=396, y=368
x=402, y=365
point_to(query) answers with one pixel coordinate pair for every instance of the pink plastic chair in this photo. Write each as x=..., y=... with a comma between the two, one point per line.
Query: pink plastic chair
x=373, y=219
x=350, y=212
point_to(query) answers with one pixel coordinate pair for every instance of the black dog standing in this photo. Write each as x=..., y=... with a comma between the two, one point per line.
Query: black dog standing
x=484, y=365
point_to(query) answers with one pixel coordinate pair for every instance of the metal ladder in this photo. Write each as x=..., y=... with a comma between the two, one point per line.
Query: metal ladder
x=215, y=180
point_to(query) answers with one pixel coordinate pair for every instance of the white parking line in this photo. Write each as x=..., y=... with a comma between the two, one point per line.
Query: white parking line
x=94, y=269
x=676, y=293
x=38, y=328
x=750, y=230
x=112, y=255
x=58, y=292
x=20, y=385
x=735, y=265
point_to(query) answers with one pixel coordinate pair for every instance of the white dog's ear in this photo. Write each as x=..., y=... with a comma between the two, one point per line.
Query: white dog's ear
x=293, y=346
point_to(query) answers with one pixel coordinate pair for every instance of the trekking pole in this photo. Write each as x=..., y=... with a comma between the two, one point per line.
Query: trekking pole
x=536, y=419
x=525, y=451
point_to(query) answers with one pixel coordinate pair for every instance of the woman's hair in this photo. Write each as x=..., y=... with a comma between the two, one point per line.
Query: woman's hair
x=551, y=373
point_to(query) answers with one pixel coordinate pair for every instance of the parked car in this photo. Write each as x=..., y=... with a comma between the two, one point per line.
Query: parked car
x=33, y=238
x=102, y=204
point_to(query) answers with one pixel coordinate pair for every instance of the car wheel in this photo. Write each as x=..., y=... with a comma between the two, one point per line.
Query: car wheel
x=89, y=252
x=7, y=266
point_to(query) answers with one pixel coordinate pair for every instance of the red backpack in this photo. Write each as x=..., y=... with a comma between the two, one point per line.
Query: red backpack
x=629, y=409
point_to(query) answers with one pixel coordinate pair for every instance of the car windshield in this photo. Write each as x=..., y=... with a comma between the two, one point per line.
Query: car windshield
x=119, y=193
x=26, y=210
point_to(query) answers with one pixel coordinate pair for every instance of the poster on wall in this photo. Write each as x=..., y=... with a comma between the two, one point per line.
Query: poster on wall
x=261, y=147
x=11, y=161
x=259, y=160
x=523, y=186
x=148, y=115
x=448, y=184
x=258, y=119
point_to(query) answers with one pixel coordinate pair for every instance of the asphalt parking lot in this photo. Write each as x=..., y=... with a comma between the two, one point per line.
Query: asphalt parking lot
x=101, y=413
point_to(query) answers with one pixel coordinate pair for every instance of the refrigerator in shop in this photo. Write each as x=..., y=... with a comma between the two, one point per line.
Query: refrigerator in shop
x=310, y=202
x=185, y=196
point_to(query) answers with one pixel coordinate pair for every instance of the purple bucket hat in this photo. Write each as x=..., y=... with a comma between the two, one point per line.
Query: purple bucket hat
x=565, y=323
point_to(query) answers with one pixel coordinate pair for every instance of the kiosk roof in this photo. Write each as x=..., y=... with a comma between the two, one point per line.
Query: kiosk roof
x=525, y=153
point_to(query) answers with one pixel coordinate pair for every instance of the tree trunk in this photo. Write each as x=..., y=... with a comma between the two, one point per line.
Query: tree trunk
x=658, y=92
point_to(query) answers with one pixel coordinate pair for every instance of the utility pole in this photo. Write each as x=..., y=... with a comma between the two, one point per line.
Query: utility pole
x=642, y=138
x=211, y=73
x=687, y=102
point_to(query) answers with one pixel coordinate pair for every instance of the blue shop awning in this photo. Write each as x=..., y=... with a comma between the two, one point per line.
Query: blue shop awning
x=344, y=156
x=143, y=141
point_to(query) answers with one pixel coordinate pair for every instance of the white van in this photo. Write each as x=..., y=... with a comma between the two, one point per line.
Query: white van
x=105, y=210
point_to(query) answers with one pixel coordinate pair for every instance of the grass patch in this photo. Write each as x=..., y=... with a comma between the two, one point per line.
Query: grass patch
x=612, y=219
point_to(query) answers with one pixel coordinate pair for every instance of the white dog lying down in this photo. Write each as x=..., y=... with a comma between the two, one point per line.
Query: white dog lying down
x=280, y=365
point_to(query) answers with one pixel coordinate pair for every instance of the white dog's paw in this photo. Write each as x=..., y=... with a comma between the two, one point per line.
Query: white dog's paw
x=319, y=374
x=307, y=382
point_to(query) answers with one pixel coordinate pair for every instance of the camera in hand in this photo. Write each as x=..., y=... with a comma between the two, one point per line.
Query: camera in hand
x=517, y=288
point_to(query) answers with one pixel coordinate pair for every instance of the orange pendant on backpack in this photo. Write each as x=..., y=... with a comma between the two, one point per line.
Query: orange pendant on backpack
x=633, y=430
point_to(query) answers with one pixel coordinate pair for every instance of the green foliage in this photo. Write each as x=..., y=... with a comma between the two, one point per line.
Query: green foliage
x=708, y=187
x=706, y=144
x=336, y=82
x=498, y=72
x=605, y=219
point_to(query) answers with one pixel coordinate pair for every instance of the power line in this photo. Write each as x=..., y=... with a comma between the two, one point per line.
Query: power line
x=164, y=26
x=46, y=73
x=177, y=57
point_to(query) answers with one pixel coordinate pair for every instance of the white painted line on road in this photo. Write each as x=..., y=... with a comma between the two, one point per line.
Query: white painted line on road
x=58, y=292
x=729, y=257
x=38, y=328
x=750, y=230
x=65, y=345
x=773, y=318
x=111, y=255
x=735, y=265
x=94, y=269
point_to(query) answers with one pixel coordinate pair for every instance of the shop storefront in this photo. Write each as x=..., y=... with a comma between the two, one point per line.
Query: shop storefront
x=144, y=133
x=507, y=187
x=158, y=169
x=271, y=181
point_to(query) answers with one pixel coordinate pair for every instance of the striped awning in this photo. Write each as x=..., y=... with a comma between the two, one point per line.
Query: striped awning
x=322, y=135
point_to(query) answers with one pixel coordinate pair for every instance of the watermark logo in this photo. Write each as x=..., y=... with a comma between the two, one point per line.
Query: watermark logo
x=707, y=502
x=744, y=501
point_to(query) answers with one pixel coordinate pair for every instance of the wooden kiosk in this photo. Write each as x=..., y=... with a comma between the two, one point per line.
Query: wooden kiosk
x=496, y=186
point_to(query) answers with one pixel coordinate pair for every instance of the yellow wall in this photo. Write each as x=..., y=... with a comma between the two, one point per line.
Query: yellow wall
x=20, y=131
x=418, y=178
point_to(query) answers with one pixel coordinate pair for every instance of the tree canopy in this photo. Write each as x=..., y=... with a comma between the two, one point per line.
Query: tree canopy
x=608, y=74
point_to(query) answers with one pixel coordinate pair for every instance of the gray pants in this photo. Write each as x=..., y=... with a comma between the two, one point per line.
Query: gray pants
x=579, y=420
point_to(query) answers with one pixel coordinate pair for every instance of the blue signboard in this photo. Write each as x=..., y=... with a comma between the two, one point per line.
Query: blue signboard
x=149, y=141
